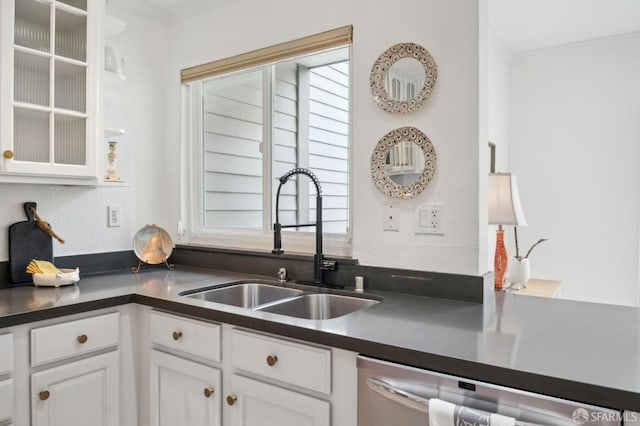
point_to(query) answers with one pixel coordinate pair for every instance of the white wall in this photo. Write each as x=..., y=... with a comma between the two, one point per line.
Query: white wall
x=140, y=106
x=574, y=145
x=449, y=29
x=148, y=154
x=79, y=214
x=498, y=122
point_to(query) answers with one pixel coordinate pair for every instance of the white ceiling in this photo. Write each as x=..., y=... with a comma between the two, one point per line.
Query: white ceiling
x=533, y=24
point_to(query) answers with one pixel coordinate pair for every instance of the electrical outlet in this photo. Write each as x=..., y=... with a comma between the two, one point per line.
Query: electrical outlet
x=430, y=219
x=389, y=218
x=114, y=217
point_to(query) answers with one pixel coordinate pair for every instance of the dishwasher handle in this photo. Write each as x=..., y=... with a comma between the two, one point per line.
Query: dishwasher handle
x=410, y=400
x=398, y=395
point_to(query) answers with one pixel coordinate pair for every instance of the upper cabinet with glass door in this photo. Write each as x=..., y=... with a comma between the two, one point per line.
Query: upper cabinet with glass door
x=48, y=110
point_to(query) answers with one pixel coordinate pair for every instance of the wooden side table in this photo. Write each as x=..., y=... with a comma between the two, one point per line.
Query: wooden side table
x=540, y=288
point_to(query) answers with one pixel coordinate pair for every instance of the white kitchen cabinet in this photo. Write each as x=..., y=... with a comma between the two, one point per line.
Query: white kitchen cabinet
x=146, y=376
x=290, y=362
x=6, y=382
x=254, y=403
x=275, y=363
x=6, y=354
x=6, y=400
x=184, y=392
x=79, y=393
x=186, y=335
x=51, y=54
x=72, y=338
x=256, y=378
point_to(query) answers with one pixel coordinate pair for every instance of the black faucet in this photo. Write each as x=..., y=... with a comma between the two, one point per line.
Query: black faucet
x=320, y=264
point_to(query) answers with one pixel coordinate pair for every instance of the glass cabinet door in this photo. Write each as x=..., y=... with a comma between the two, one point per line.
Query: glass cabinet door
x=50, y=106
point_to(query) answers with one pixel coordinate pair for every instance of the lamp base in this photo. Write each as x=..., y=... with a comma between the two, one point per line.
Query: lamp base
x=499, y=261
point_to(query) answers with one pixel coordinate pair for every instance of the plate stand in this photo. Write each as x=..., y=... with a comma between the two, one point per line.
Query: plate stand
x=136, y=269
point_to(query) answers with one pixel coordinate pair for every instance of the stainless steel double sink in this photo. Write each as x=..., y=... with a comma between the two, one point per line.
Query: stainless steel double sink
x=287, y=301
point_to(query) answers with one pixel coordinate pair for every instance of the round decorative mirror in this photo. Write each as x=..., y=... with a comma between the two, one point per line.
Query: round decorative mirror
x=403, y=77
x=403, y=163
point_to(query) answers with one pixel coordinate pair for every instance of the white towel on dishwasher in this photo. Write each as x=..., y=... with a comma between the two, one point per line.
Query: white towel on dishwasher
x=442, y=413
x=500, y=420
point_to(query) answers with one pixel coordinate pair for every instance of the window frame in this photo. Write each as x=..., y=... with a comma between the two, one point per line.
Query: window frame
x=191, y=228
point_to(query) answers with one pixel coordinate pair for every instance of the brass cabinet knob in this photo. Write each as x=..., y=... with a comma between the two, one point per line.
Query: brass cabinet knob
x=177, y=335
x=8, y=154
x=208, y=392
x=231, y=399
x=82, y=338
x=44, y=395
x=271, y=360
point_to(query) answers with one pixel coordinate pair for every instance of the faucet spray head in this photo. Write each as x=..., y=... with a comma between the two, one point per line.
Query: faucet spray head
x=277, y=239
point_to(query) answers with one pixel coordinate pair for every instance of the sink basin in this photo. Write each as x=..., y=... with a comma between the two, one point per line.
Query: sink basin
x=318, y=306
x=245, y=295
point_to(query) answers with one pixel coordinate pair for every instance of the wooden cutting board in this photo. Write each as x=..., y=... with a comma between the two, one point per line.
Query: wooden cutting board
x=26, y=242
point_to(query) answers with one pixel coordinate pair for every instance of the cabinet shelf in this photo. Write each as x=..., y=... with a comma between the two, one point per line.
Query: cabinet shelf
x=114, y=184
x=113, y=25
x=114, y=133
x=45, y=54
x=31, y=51
x=57, y=111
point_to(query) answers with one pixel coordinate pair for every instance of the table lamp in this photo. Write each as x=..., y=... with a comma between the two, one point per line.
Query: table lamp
x=504, y=209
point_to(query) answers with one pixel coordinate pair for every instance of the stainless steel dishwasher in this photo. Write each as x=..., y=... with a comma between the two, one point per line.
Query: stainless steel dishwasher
x=390, y=394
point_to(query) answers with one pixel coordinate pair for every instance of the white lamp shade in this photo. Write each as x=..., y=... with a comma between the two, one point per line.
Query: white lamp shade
x=504, y=201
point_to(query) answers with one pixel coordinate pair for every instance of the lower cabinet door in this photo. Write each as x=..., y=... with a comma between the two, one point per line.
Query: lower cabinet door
x=79, y=393
x=254, y=403
x=183, y=392
x=6, y=400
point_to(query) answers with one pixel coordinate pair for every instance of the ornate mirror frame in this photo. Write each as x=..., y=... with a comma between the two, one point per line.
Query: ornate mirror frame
x=379, y=75
x=379, y=173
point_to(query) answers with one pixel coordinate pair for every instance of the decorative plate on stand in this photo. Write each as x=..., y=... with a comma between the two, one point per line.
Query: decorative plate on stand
x=152, y=245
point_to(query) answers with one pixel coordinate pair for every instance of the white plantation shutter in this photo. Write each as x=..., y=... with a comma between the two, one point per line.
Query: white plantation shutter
x=285, y=139
x=329, y=143
x=310, y=129
x=249, y=119
x=232, y=162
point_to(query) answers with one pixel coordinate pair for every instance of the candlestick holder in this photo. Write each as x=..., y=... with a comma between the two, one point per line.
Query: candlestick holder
x=111, y=170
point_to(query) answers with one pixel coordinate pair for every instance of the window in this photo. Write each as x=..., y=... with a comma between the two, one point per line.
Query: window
x=250, y=126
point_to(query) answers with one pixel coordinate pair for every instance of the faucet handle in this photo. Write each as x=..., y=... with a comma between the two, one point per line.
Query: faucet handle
x=328, y=265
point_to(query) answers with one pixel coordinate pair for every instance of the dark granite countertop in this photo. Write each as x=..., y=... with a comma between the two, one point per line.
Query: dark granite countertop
x=580, y=351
